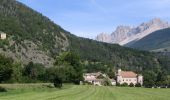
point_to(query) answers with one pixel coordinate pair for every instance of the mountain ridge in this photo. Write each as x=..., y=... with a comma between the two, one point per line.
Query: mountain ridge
x=126, y=34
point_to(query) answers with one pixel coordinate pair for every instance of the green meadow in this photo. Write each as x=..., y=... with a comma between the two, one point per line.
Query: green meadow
x=80, y=92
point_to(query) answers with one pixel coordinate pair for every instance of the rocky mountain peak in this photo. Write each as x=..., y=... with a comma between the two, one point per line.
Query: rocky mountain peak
x=125, y=34
x=104, y=37
x=156, y=22
x=159, y=22
x=121, y=33
x=123, y=29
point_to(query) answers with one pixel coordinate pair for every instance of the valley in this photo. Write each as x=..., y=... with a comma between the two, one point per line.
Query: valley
x=41, y=60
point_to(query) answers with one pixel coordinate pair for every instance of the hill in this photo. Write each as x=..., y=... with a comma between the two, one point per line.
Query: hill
x=157, y=41
x=33, y=37
x=115, y=55
x=30, y=35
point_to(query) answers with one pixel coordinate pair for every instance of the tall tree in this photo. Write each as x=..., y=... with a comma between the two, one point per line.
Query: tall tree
x=6, y=65
x=34, y=71
x=149, y=79
x=71, y=60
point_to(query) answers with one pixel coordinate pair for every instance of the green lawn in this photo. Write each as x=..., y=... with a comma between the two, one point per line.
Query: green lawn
x=73, y=92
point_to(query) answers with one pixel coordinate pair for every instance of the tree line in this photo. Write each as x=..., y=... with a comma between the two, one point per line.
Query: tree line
x=68, y=68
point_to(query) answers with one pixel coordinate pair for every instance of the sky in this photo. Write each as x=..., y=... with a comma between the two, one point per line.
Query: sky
x=88, y=18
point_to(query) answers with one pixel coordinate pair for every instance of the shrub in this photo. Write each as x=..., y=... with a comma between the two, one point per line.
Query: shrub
x=76, y=82
x=87, y=83
x=106, y=82
x=117, y=84
x=138, y=85
x=131, y=85
x=124, y=85
x=2, y=89
x=100, y=76
x=58, y=82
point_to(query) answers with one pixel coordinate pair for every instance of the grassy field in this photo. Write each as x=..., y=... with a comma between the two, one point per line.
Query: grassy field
x=73, y=92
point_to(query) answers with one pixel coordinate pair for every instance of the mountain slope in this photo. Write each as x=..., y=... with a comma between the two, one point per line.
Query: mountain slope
x=30, y=35
x=155, y=41
x=114, y=54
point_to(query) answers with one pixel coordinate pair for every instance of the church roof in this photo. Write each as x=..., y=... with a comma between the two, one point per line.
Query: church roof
x=128, y=74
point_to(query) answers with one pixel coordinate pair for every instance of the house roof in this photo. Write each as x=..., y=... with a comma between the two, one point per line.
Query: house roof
x=93, y=74
x=128, y=74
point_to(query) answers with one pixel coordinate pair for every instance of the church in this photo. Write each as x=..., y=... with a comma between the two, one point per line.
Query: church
x=129, y=77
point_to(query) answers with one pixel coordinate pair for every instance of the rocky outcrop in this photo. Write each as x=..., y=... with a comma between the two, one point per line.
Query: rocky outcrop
x=126, y=34
x=28, y=51
x=121, y=33
x=104, y=37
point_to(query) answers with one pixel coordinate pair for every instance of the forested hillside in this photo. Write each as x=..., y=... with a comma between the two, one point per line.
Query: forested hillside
x=30, y=35
x=159, y=41
x=115, y=55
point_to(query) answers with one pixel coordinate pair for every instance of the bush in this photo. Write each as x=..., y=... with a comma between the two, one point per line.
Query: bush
x=117, y=84
x=106, y=82
x=124, y=85
x=131, y=85
x=2, y=89
x=138, y=85
x=87, y=83
x=58, y=82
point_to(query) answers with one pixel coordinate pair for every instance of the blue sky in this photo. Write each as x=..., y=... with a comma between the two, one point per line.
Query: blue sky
x=87, y=18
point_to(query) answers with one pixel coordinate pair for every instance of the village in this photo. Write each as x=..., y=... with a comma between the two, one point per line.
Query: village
x=129, y=78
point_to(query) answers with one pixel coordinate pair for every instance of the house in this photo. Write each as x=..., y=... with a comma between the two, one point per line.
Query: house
x=97, y=78
x=129, y=77
x=92, y=78
x=2, y=35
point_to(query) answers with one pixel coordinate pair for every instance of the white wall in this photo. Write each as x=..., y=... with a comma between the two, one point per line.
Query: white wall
x=127, y=80
x=3, y=36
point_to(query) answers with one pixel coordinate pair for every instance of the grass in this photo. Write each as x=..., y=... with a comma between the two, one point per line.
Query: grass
x=73, y=92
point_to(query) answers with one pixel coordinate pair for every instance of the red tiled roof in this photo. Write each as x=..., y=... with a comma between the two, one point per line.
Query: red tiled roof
x=128, y=74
